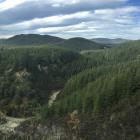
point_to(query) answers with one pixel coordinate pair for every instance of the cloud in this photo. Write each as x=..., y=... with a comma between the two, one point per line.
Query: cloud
x=13, y=11
x=7, y=4
x=93, y=2
x=99, y=14
x=110, y=23
x=86, y=18
x=81, y=27
x=118, y=11
x=59, y=20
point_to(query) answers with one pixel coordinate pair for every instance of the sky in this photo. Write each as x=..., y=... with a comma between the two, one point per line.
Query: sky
x=71, y=18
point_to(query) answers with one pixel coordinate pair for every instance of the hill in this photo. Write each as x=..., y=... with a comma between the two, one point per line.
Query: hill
x=109, y=41
x=77, y=44
x=81, y=44
x=31, y=39
x=105, y=94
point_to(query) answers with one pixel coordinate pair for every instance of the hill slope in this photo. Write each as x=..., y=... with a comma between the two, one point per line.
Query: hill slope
x=28, y=76
x=105, y=94
x=35, y=40
x=109, y=41
x=81, y=44
x=99, y=90
x=32, y=39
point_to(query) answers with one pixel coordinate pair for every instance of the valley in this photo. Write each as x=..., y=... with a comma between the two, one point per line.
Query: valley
x=51, y=92
x=70, y=70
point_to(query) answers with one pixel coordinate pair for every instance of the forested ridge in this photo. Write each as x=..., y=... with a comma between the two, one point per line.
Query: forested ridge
x=106, y=91
x=35, y=40
x=29, y=75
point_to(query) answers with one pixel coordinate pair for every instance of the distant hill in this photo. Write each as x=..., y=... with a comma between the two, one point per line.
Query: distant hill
x=81, y=44
x=31, y=39
x=132, y=43
x=35, y=39
x=2, y=41
x=109, y=41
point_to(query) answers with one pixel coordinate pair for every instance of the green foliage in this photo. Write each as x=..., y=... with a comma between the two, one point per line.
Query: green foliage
x=79, y=44
x=105, y=91
x=102, y=85
x=34, y=40
x=106, y=77
x=31, y=39
x=28, y=75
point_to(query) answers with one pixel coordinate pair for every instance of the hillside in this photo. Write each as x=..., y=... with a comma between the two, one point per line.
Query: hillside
x=105, y=94
x=28, y=76
x=31, y=39
x=72, y=95
x=77, y=44
x=81, y=44
x=109, y=41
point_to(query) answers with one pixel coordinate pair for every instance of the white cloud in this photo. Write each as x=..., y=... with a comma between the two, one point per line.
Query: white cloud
x=118, y=15
x=118, y=11
x=72, y=28
x=8, y=4
x=47, y=21
x=122, y=15
x=117, y=23
x=107, y=22
x=94, y=2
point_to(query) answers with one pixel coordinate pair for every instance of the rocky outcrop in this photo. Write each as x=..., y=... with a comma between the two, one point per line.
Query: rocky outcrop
x=3, y=119
x=34, y=129
x=53, y=98
x=10, y=124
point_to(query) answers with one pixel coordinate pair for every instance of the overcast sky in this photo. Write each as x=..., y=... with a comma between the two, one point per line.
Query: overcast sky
x=71, y=18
